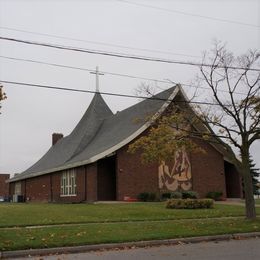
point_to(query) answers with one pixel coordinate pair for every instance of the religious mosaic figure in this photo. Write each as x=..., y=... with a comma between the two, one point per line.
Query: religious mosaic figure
x=179, y=177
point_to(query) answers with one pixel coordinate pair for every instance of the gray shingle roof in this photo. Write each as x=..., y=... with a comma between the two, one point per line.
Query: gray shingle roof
x=98, y=134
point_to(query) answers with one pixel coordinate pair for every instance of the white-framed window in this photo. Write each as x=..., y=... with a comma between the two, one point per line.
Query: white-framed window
x=68, y=183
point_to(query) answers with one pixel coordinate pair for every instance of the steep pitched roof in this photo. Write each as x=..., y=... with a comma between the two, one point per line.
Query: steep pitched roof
x=98, y=134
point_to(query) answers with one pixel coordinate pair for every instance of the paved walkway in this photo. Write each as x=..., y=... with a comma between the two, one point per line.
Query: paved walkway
x=239, y=249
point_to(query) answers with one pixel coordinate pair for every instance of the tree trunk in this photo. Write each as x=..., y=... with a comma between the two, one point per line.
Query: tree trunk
x=248, y=186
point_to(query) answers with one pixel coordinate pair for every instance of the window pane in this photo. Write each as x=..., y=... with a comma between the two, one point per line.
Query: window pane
x=68, y=182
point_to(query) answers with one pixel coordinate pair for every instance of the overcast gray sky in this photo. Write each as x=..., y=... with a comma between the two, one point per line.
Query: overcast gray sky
x=176, y=30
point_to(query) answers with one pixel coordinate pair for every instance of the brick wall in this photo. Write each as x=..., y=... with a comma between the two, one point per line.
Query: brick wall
x=133, y=177
x=4, y=187
x=80, y=188
x=91, y=182
x=46, y=188
x=11, y=188
x=208, y=172
x=37, y=189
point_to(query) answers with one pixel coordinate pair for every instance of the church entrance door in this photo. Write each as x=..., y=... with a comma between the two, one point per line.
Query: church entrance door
x=106, y=181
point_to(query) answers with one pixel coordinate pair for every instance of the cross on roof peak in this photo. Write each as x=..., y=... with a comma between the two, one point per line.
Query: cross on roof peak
x=97, y=78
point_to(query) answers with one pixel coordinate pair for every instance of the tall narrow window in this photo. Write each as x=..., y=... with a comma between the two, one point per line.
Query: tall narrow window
x=68, y=183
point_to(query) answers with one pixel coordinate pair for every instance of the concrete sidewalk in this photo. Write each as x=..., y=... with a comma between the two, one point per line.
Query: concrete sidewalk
x=235, y=249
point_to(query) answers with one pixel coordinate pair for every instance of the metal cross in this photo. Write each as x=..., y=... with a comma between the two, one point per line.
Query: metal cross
x=97, y=79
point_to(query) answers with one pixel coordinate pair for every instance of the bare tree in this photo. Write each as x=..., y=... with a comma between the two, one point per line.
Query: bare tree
x=236, y=115
x=2, y=96
x=231, y=119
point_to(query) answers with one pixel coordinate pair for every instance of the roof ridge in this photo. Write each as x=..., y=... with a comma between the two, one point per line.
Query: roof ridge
x=79, y=150
x=147, y=99
x=96, y=113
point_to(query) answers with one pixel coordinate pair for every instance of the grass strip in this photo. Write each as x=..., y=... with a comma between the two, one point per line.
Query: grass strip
x=257, y=201
x=24, y=214
x=23, y=238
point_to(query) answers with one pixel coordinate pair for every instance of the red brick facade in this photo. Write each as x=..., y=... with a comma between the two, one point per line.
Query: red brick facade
x=208, y=173
x=37, y=189
x=81, y=187
x=132, y=178
x=4, y=187
x=92, y=182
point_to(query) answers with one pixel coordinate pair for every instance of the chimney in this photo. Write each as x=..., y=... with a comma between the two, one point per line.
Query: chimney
x=56, y=137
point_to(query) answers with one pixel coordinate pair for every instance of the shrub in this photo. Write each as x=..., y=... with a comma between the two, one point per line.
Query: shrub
x=189, y=195
x=143, y=196
x=166, y=195
x=215, y=195
x=146, y=196
x=171, y=195
x=152, y=196
x=189, y=204
x=176, y=195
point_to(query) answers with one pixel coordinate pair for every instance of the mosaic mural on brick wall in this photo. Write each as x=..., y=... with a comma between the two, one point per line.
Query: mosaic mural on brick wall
x=179, y=176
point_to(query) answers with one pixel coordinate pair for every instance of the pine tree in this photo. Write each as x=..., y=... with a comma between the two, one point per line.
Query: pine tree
x=255, y=173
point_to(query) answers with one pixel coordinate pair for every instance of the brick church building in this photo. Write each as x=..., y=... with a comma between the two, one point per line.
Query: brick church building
x=93, y=164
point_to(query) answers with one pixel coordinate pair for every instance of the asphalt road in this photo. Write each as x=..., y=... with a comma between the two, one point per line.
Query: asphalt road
x=248, y=249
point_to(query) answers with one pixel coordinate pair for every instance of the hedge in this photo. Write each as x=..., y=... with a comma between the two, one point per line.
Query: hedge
x=146, y=196
x=189, y=204
x=189, y=194
x=215, y=195
x=171, y=195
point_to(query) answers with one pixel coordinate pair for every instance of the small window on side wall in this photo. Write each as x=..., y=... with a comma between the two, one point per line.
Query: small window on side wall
x=68, y=183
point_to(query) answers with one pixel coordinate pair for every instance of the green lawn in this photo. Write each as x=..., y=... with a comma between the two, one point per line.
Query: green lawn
x=24, y=238
x=48, y=214
x=97, y=223
x=257, y=201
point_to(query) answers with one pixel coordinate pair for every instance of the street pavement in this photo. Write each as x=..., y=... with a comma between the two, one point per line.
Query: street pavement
x=244, y=249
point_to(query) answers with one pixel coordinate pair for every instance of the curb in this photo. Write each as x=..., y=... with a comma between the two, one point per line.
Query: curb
x=97, y=247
